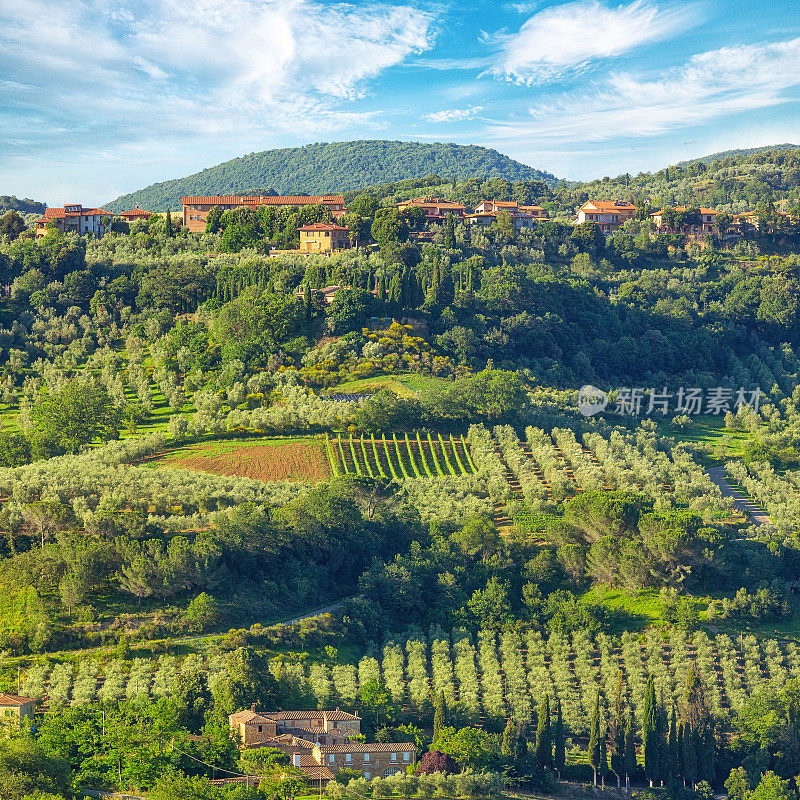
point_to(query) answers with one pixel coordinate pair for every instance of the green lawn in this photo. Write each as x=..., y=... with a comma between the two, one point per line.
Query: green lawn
x=404, y=384
x=629, y=611
x=710, y=432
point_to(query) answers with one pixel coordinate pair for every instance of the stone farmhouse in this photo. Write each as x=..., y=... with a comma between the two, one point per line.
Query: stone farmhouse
x=610, y=215
x=320, y=743
x=15, y=708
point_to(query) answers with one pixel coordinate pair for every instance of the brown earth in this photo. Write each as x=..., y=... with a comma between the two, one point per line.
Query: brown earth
x=286, y=461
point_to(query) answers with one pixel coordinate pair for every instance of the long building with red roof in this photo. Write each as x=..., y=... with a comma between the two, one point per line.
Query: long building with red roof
x=195, y=209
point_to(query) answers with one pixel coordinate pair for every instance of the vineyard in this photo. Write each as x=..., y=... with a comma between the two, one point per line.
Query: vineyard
x=488, y=678
x=407, y=457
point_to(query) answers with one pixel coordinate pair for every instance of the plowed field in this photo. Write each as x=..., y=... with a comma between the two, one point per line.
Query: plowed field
x=300, y=459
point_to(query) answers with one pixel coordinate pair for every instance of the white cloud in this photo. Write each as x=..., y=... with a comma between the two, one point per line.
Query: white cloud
x=454, y=114
x=710, y=85
x=209, y=67
x=569, y=38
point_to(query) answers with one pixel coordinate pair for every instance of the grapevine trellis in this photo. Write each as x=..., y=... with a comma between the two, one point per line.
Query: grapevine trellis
x=489, y=677
x=400, y=458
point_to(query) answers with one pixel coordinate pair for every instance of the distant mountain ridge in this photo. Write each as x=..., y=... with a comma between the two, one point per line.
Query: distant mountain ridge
x=325, y=168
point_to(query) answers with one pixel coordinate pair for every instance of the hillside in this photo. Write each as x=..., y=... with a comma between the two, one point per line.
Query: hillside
x=747, y=151
x=331, y=167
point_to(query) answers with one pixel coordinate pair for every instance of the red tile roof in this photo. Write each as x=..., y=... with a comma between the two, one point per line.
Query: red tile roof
x=136, y=212
x=315, y=714
x=14, y=700
x=322, y=226
x=288, y=200
x=608, y=205
x=361, y=747
x=59, y=213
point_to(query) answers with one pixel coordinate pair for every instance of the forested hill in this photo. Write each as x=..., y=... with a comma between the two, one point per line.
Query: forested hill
x=727, y=182
x=747, y=151
x=10, y=202
x=331, y=167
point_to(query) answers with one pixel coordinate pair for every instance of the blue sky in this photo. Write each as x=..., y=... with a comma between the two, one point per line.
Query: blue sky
x=99, y=98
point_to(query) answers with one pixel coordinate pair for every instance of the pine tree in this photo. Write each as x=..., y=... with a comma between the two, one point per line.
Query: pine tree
x=507, y=746
x=439, y=715
x=544, y=739
x=630, y=751
x=650, y=732
x=559, y=740
x=168, y=225
x=594, y=738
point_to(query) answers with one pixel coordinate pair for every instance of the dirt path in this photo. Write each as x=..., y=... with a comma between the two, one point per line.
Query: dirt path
x=742, y=503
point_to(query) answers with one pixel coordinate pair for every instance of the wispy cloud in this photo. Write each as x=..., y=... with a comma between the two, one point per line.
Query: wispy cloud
x=454, y=114
x=568, y=38
x=200, y=68
x=710, y=85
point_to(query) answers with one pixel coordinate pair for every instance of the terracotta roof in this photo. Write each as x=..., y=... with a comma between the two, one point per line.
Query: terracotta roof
x=285, y=200
x=315, y=714
x=250, y=717
x=59, y=213
x=531, y=208
x=505, y=203
x=361, y=747
x=322, y=226
x=315, y=770
x=608, y=205
x=136, y=212
x=14, y=700
x=684, y=208
x=432, y=201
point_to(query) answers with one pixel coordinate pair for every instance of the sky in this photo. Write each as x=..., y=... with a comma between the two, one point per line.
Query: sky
x=99, y=98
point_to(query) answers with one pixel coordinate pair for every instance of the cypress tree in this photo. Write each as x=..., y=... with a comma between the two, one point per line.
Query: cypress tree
x=630, y=751
x=671, y=772
x=450, y=233
x=603, y=753
x=618, y=731
x=559, y=740
x=507, y=747
x=544, y=739
x=706, y=758
x=168, y=225
x=521, y=742
x=689, y=755
x=382, y=289
x=439, y=714
x=594, y=738
x=650, y=732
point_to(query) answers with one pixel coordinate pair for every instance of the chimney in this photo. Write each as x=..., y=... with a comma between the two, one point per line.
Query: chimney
x=253, y=708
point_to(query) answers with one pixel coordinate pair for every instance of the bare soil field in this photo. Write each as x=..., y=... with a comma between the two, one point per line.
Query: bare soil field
x=286, y=459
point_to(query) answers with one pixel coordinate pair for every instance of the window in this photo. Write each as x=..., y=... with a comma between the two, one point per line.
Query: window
x=260, y=728
x=366, y=775
x=406, y=756
x=394, y=757
x=348, y=757
x=366, y=758
x=391, y=771
x=331, y=758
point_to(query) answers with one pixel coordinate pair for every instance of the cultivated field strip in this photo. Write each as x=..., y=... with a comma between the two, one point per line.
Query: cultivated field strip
x=491, y=676
x=400, y=457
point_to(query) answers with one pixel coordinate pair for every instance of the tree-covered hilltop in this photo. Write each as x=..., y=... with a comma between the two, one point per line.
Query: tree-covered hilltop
x=740, y=151
x=731, y=182
x=331, y=167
